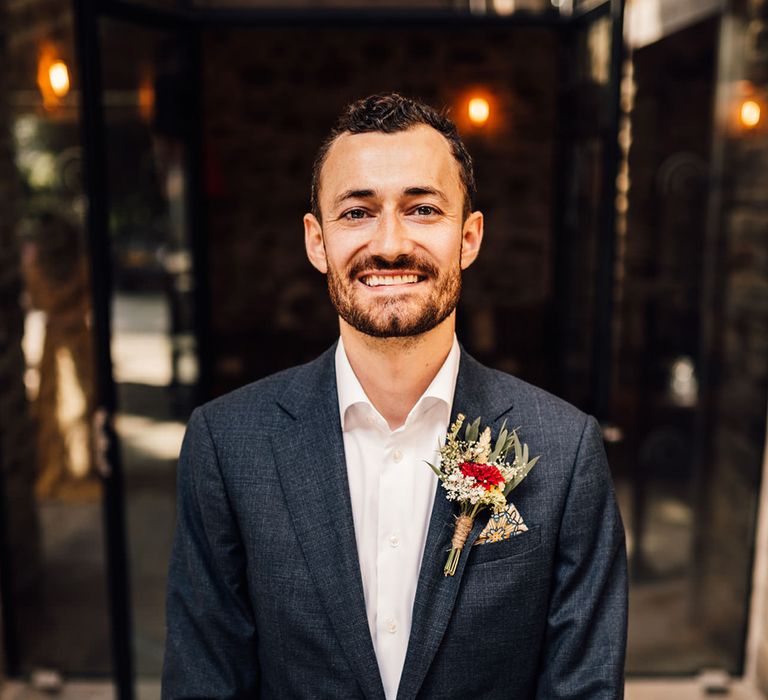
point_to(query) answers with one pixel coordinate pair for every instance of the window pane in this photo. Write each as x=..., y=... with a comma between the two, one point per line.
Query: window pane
x=148, y=112
x=52, y=487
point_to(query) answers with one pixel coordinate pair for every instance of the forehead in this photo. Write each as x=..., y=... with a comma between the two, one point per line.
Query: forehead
x=390, y=162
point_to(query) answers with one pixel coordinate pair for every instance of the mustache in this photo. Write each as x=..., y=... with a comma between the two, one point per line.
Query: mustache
x=414, y=263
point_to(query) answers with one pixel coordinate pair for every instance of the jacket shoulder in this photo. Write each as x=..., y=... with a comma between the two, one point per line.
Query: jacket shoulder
x=256, y=402
x=542, y=400
x=550, y=425
x=526, y=399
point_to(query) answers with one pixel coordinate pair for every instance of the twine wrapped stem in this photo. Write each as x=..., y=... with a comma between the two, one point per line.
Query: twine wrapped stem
x=460, y=533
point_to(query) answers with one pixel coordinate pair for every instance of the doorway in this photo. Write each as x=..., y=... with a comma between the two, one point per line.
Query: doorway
x=203, y=123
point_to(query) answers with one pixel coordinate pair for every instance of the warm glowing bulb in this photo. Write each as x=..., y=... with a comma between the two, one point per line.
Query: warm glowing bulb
x=147, y=97
x=59, y=77
x=750, y=113
x=479, y=110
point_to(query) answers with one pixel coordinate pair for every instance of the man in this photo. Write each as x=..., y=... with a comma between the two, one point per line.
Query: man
x=311, y=538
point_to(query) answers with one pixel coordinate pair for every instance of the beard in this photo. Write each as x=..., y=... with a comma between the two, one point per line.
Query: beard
x=398, y=316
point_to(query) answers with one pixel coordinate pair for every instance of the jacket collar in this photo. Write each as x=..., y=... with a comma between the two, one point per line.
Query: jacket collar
x=309, y=454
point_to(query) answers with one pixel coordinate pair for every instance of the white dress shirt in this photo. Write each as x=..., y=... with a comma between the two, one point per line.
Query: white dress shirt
x=392, y=491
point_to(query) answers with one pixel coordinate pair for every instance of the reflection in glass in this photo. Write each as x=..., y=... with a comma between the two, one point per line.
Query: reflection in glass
x=68, y=592
x=58, y=348
x=54, y=493
x=149, y=104
x=663, y=394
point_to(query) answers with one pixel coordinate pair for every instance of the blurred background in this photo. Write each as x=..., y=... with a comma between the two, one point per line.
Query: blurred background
x=154, y=168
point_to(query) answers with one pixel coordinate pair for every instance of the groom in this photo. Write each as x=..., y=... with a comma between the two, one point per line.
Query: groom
x=311, y=536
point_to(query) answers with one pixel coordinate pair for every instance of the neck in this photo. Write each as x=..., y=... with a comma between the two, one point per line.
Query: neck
x=395, y=372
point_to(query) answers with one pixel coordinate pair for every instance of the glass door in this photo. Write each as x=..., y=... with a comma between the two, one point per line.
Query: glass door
x=585, y=212
x=692, y=438
x=149, y=112
x=54, y=477
x=649, y=321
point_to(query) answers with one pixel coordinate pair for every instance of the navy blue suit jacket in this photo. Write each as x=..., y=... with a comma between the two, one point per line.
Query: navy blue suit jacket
x=265, y=596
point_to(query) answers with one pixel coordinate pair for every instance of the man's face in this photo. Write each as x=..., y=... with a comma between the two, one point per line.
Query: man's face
x=392, y=240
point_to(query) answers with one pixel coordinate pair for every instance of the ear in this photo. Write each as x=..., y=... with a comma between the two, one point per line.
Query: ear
x=313, y=242
x=471, y=238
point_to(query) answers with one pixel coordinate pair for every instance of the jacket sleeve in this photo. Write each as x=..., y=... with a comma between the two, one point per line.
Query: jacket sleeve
x=210, y=649
x=585, y=644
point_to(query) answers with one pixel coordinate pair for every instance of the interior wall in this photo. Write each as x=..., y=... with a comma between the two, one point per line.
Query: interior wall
x=270, y=97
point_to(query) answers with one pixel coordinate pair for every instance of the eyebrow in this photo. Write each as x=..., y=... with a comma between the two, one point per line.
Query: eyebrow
x=425, y=190
x=353, y=194
x=418, y=191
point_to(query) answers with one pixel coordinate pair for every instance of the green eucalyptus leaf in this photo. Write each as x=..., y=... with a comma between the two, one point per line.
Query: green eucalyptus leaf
x=473, y=431
x=500, y=442
x=514, y=483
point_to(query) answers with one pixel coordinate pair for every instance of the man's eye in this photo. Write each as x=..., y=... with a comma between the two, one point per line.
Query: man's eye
x=354, y=214
x=425, y=210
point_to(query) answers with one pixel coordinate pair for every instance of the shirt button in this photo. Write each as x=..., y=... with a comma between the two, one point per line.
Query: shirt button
x=370, y=420
x=391, y=626
x=397, y=456
x=394, y=541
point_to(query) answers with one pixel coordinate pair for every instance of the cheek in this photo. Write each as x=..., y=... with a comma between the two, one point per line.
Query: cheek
x=448, y=256
x=339, y=262
x=341, y=254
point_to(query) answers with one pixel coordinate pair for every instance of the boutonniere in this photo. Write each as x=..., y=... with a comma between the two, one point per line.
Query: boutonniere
x=478, y=475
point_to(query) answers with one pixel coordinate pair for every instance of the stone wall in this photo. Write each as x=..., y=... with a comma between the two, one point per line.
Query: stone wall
x=270, y=96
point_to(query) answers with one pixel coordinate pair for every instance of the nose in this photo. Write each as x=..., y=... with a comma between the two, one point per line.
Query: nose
x=391, y=238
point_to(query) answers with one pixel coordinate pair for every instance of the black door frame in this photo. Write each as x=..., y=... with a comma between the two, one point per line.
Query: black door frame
x=190, y=22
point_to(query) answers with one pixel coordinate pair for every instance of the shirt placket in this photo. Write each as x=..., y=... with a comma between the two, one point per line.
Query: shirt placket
x=392, y=625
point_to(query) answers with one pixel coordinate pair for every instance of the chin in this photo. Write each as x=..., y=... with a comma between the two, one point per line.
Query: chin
x=397, y=326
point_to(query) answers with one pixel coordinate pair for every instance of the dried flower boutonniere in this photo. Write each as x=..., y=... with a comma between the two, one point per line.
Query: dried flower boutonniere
x=478, y=476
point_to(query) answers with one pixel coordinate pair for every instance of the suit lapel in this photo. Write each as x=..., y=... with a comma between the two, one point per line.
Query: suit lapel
x=435, y=593
x=309, y=451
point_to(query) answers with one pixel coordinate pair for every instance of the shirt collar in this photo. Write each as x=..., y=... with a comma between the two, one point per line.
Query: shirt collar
x=441, y=388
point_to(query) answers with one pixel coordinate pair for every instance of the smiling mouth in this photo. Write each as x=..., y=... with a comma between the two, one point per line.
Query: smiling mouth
x=390, y=280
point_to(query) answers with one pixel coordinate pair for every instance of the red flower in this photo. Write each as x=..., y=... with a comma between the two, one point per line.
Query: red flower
x=486, y=475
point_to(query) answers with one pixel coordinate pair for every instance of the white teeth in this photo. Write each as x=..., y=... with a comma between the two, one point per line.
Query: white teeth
x=386, y=280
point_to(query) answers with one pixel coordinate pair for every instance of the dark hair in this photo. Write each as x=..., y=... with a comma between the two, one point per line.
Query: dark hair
x=389, y=113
